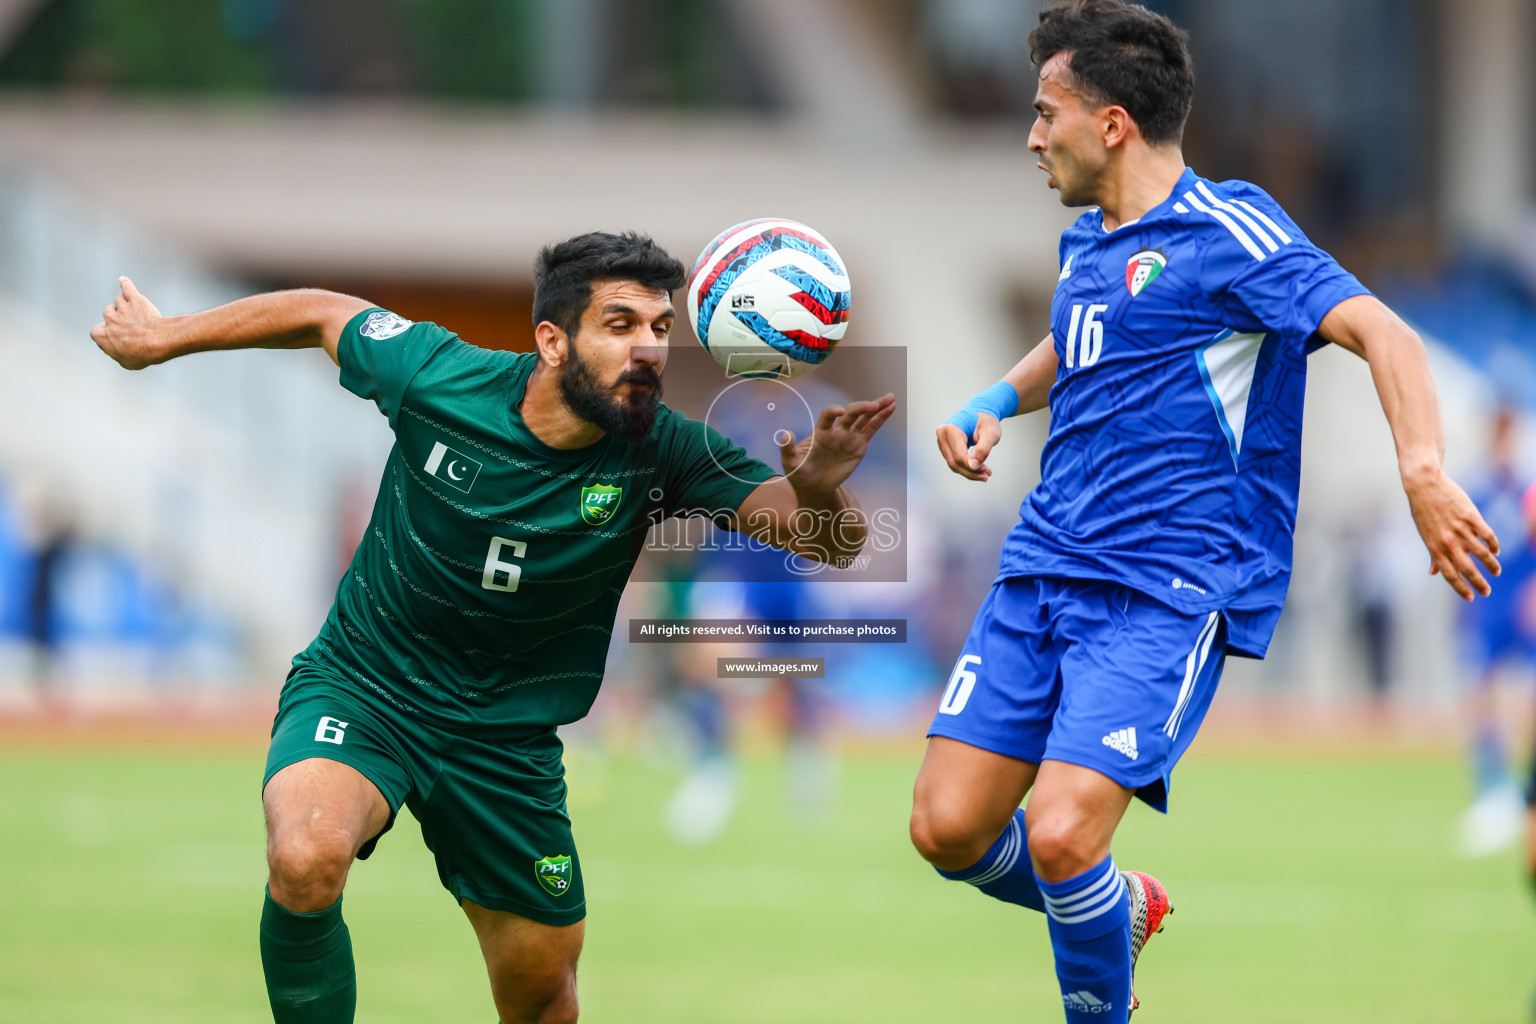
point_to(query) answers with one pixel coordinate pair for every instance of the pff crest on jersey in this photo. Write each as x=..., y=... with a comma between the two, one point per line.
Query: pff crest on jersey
x=1142, y=269
x=599, y=502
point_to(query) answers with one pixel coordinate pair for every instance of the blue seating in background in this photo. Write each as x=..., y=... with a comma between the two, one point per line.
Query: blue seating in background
x=1484, y=310
x=105, y=599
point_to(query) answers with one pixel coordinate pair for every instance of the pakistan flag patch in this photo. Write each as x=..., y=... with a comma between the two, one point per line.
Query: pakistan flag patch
x=599, y=502
x=1142, y=269
x=554, y=874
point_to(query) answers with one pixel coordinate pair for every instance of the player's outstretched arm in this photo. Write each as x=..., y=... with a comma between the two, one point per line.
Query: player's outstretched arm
x=133, y=332
x=968, y=437
x=808, y=510
x=1453, y=530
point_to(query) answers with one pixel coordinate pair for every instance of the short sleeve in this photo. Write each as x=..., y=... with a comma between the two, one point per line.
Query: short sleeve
x=1291, y=291
x=703, y=472
x=1266, y=273
x=380, y=352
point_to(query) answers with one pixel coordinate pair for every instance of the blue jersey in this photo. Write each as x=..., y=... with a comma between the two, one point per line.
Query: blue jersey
x=1174, y=454
x=1496, y=626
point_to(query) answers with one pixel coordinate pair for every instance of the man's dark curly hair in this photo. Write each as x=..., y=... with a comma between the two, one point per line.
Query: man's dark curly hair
x=565, y=271
x=1123, y=54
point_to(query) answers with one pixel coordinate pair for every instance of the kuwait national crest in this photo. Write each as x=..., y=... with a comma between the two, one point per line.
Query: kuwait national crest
x=599, y=502
x=1142, y=269
x=554, y=874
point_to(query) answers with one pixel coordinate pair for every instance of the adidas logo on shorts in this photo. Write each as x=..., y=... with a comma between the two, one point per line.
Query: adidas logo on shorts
x=1086, y=1002
x=1123, y=740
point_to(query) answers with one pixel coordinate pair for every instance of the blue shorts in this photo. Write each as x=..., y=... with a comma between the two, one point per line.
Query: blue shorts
x=1087, y=672
x=1493, y=635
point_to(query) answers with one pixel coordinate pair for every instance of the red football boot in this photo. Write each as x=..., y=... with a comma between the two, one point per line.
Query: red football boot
x=1149, y=905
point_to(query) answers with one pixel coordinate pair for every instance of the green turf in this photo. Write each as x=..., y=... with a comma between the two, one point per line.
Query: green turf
x=1318, y=889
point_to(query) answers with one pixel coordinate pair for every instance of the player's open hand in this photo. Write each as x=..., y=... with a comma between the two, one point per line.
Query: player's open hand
x=1454, y=532
x=820, y=463
x=127, y=330
x=970, y=460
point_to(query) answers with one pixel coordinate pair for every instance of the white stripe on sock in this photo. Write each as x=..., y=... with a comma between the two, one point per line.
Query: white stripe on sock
x=1103, y=907
x=1097, y=882
x=1090, y=893
x=1007, y=857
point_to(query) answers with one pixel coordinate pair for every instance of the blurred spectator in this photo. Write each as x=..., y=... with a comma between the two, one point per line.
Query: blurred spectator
x=1377, y=555
x=1497, y=635
x=43, y=623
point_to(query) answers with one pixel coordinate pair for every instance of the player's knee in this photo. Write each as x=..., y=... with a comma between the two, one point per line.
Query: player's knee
x=307, y=870
x=562, y=1011
x=945, y=838
x=1060, y=850
x=522, y=1003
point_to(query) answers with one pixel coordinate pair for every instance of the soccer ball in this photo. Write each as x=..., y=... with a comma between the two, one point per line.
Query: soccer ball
x=769, y=298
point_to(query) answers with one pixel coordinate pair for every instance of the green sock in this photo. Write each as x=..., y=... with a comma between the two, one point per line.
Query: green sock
x=308, y=962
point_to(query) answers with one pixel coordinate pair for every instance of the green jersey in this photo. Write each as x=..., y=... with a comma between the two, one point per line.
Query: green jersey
x=485, y=590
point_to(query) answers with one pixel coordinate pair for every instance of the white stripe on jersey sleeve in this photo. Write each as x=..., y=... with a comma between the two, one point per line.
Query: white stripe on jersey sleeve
x=1253, y=225
x=1279, y=233
x=1231, y=225
x=1181, y=207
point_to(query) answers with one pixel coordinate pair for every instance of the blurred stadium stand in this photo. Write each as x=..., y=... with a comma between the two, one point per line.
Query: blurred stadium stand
x=203, y=493
x=418, y=152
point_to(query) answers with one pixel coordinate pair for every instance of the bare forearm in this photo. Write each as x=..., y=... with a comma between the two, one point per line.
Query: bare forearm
x=836, y=523
x=829, y=527
x=1404, y=384
x=1033, y=376
x=302, y=318
x=1454, y=532
x=1408, y=397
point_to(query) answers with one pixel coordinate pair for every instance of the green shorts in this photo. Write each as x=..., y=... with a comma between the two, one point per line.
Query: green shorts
x=491, y=811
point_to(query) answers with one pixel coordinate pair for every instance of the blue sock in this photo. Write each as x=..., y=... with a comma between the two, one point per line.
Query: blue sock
x=1004, y=871
x=1090, y=922
x=1488, y=759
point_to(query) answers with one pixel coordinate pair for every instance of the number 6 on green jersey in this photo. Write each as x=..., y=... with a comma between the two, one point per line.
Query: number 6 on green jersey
x=495, y=568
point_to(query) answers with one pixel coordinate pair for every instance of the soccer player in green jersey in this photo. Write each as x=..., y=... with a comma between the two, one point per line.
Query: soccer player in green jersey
x=476, y=614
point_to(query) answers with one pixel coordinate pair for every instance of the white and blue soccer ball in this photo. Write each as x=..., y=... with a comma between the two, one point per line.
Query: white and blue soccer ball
x=769, y=298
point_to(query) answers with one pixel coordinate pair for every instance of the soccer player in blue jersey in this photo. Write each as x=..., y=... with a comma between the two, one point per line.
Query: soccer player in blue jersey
x=1495, y=635
x=1159, y=539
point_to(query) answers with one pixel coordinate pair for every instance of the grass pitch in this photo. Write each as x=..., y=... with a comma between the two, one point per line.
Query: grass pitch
x=1317, y=889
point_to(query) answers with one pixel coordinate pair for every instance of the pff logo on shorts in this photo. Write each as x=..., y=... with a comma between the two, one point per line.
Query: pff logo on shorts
x=554, y=874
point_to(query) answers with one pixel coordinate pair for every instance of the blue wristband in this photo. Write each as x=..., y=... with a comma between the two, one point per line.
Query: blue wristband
x=1000, y=400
